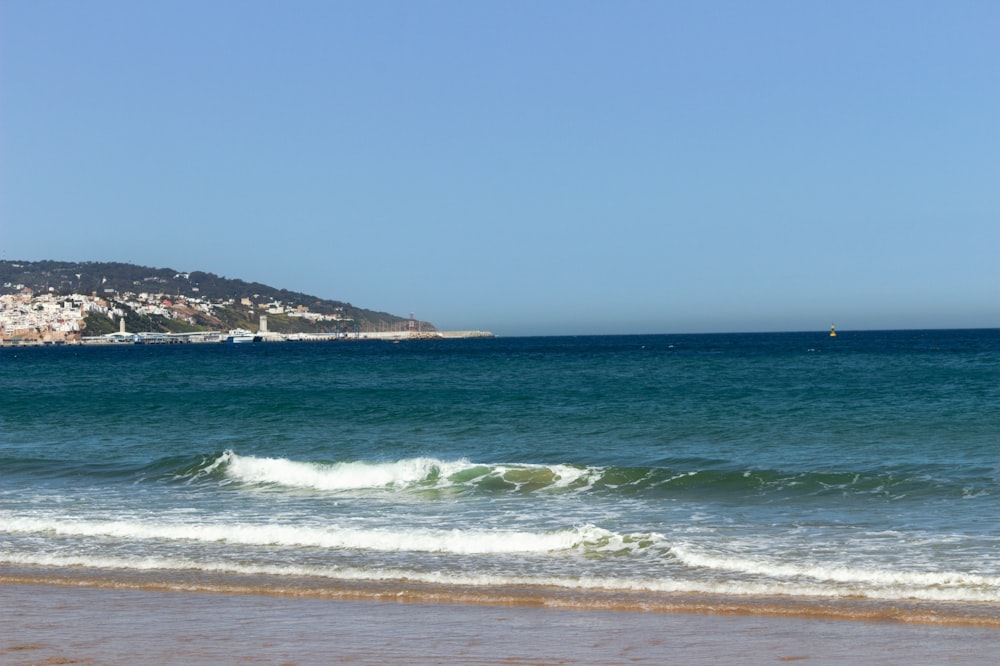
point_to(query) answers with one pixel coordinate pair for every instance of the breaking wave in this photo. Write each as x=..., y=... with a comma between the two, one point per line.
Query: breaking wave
x=464, y=476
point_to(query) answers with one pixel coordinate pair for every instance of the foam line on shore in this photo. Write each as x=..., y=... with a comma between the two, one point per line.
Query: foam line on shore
x=984, y=615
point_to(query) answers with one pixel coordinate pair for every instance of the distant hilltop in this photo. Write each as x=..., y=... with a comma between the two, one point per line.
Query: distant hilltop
x=41, y=299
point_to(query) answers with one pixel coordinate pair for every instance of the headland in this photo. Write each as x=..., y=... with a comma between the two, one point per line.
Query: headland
x=59, y=303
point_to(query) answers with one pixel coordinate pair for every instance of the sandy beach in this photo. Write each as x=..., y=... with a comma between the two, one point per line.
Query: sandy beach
x=63, y=624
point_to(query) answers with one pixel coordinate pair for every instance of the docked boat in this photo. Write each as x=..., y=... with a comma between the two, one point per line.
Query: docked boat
x=239, y=335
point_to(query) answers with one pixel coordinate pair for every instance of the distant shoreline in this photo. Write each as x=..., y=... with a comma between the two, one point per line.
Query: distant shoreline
x=220, y=337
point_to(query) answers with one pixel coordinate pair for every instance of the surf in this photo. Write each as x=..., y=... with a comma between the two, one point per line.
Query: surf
x=711, y=480
x=416, y=540
x=407, y=474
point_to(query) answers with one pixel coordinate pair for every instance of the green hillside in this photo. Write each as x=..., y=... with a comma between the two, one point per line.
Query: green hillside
x=236, y=303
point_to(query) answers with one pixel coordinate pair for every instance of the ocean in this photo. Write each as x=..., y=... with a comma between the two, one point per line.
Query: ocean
x=788, y=473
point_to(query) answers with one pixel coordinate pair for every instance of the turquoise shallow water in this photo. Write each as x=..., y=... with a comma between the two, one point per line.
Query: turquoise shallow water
x=795, y=464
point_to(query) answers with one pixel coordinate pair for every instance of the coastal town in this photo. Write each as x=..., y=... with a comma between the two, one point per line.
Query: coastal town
x=29, y=318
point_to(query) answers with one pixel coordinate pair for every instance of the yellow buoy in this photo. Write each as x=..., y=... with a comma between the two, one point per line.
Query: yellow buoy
x=833, y=331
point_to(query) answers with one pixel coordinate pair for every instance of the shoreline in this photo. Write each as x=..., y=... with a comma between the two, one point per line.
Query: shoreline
x=907, y=612
x=222, y=337
x=62, y=623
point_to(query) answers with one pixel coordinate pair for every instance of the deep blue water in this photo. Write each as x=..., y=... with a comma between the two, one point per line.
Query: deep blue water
x=796, y=464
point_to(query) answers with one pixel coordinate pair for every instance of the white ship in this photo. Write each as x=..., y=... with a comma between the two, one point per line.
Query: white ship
x=239, y=335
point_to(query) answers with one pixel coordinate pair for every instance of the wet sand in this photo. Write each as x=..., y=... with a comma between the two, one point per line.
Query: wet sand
x=61, y=624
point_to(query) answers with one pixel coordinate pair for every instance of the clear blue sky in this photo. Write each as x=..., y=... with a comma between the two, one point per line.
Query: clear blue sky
x=524, y=167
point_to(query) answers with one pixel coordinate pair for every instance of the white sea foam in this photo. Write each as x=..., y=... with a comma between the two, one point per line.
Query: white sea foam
x=768, y=576
x=336, y=476
x=395, y=475
x=465, y=542
x=728, y=574
x=854, y=576
x=668, y=585
x=148, y=563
